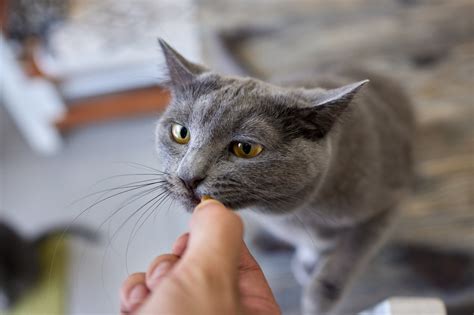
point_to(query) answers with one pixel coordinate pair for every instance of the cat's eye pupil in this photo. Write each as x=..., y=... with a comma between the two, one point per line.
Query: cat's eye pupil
x=183, y=132
x=180, y=134
x=246, y=148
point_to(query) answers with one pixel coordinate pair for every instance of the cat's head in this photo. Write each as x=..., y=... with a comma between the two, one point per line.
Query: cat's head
x=242, y=141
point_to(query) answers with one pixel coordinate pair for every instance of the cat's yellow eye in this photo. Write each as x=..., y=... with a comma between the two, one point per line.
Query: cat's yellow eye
x=246, y=150
x=180, y=134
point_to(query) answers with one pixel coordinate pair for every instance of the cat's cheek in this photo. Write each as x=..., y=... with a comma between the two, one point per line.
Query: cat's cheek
x=168, y=149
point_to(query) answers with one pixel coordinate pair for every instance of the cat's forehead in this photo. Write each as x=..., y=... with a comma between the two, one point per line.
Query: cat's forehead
x=227, y=100
x=227, y=107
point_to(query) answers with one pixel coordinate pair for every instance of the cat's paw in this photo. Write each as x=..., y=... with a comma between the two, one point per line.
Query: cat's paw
x=301, y=272
x=321, y=296
x=303, y=265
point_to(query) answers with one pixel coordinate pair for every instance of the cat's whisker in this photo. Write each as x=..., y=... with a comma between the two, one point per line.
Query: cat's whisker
x=262, y=194
x=136, y=184
x=132, y=232
x=306, y=230
x=158, y=177
x=143, y=166
x=168, y=209
x=131, y=215
x=111, y=239
x=128, y=188
x=153, y=207
x=171, y=203
x=259, y=195
x=101, y=200
x=125, y=175
x=116, y=232
x=67, y=228
x=129, y=201
x=146, y=215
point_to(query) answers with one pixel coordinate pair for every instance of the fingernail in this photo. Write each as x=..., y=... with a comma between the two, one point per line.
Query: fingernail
x=160, y=270
x=138, y=294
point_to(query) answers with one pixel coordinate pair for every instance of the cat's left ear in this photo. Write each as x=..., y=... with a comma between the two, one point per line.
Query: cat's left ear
x=327, y=106
x=339, y=97
x=181, y=71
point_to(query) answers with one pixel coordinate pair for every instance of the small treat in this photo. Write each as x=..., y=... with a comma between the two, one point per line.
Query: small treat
x=205, y=197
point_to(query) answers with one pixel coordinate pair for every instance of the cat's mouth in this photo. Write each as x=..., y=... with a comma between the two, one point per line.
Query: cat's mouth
x=195, y=198
x=190, y=201
x=190, y=198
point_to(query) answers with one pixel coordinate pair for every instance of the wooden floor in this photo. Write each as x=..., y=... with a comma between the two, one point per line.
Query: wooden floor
x=429, y=47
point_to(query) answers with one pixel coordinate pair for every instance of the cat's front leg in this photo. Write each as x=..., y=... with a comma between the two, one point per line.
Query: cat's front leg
x=338, y=266
x=304, y=263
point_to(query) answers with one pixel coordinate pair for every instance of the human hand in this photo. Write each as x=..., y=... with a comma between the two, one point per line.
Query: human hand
x=210, y=271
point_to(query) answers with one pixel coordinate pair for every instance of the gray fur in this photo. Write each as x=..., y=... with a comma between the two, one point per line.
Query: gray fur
x=335, y=164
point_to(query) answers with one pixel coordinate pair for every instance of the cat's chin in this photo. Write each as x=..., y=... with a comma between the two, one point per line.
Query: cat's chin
x=189, y=204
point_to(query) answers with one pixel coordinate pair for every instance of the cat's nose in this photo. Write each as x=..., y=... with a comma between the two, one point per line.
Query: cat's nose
x=192, y=182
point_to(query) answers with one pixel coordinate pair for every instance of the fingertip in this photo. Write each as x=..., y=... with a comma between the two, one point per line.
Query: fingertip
x=180, y=244
x=206, y=203
x=137, y=294
x=216, y=231
x=133, y=291
x=159, y=268
x=214, y=216
x=212, y=207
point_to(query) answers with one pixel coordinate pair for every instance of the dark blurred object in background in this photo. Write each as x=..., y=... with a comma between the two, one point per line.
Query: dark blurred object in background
x=34, y=18
x=20, y=267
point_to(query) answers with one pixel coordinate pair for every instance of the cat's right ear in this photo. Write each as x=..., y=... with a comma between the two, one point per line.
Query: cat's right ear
x=181, y=72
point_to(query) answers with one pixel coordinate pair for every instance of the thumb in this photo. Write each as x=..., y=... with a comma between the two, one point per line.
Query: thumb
x=215, y=239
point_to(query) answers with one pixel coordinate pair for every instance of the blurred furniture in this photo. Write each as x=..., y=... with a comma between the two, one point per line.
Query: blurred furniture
x=100, y=63
x=33, y=103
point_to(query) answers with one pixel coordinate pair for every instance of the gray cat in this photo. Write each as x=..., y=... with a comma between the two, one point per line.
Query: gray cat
x=322, y=163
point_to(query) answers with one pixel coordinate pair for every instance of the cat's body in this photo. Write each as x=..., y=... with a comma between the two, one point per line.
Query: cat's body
x=328, y=180
x=369, y=171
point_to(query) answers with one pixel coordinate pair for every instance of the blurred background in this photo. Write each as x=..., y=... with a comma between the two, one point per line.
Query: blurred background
x=80, y=94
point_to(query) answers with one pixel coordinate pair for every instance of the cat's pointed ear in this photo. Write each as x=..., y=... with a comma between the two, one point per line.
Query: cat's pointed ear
x=341, y=96
x=327, y=106
x=181, y=71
